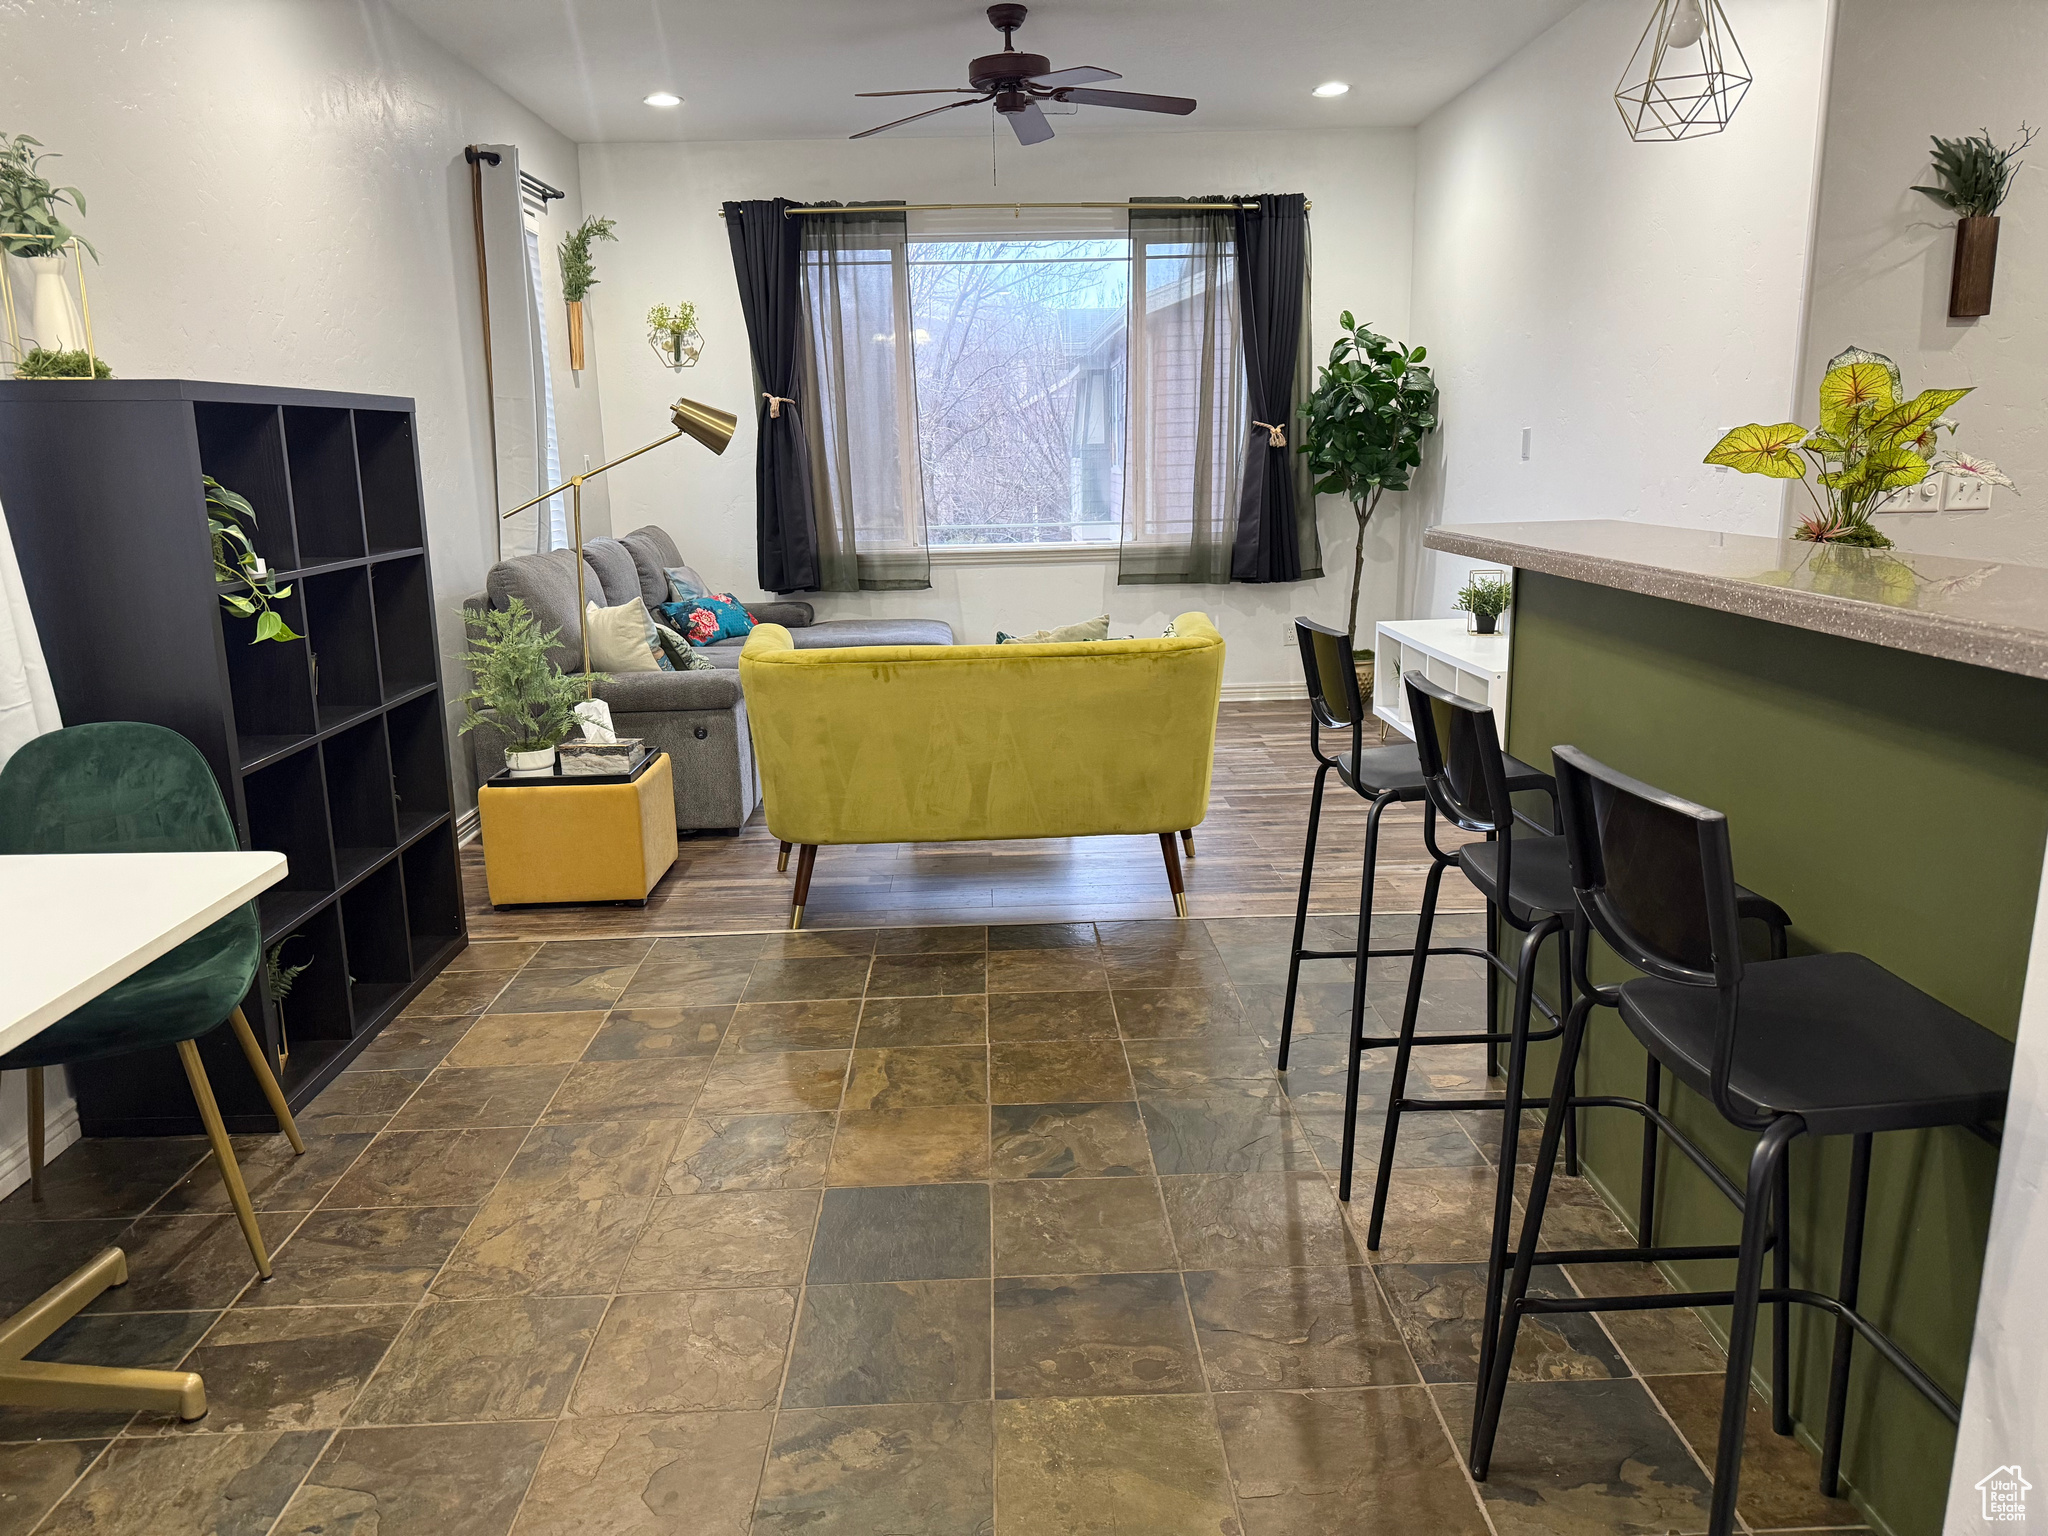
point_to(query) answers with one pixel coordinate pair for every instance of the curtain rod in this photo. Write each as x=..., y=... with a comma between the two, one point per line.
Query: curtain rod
x=929, y=207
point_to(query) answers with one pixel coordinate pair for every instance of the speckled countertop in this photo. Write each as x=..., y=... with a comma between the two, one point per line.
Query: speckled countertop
x=1975, y=611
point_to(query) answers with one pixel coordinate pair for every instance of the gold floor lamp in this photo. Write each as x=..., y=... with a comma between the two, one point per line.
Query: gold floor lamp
x=706, y=423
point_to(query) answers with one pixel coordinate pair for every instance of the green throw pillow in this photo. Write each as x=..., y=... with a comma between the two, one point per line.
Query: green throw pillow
x=1096, y=628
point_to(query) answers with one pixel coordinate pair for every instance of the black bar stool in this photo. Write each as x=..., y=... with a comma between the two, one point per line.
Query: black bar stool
x=1385, y=776
x=1821, y=1045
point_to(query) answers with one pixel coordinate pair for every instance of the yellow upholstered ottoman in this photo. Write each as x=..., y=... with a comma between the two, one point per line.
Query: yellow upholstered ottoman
x=563, y=841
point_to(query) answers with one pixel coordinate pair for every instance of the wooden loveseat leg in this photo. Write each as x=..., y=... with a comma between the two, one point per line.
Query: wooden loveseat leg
x=782, y=860
x=806, y=855
x=1172, y=857
x=1187, y=841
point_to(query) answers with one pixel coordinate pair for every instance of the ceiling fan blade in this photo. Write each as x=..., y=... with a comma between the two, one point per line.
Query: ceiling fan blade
x=1081, y=74
x=1180, y=106
x=949, y=106
x=1030, y=125
x=943, y=90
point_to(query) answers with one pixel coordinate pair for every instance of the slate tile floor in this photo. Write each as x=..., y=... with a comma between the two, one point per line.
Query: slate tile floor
x=919, y=1231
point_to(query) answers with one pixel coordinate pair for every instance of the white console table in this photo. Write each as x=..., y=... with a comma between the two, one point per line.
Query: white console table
x=1472, y=666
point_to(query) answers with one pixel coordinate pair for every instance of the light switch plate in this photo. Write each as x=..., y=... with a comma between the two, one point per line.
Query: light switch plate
x=1966, y=493
x=1924, y=497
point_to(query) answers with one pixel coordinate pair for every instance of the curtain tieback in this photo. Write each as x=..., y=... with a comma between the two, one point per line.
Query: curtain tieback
x=776, y=403
x=1276, y=433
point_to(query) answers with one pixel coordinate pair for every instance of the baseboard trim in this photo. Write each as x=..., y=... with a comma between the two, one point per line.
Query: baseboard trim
x=59, y=1132
x=1246, y=693
x=468, y=826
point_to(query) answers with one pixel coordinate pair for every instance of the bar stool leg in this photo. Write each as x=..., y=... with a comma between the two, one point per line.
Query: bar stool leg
x=1758, y=1202
x=35, y=1134
x=1781, y=1311
x=1390, y=1132
x=1564, y=1005
x=1492, y=983
x=1308, y=864
x=1493, y=1386
x=1845, y=1335
x=1359, y=965
x=1646, y=1194
x=1511, y=1133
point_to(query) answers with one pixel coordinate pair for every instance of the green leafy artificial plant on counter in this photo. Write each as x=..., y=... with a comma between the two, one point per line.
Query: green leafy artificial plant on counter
x=1363, y=428
x=1872, y=443
x=1486, y=598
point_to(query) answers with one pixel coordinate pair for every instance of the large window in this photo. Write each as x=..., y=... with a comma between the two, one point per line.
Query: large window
x=1020, y=362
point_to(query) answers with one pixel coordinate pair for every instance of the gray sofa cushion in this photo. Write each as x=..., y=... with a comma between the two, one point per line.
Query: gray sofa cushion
x=653, y=552
x=643, y=693
x=547, y=585
x=790, y=615
x=614, y=565
x=834, y=634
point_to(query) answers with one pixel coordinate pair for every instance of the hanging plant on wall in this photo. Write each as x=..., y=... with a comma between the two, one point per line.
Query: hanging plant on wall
x=672, y=333
x=1976, y=177
x=232, y=521
x=1873, y=442
x=579, y=276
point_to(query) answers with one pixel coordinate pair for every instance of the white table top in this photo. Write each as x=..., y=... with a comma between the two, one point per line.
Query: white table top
x=74, y=924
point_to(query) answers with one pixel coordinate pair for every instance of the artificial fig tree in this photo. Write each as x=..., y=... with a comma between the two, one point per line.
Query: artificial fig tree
x=1373, y=405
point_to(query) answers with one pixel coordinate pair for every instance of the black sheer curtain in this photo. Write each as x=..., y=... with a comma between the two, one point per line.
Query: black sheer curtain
x=767, y=260
x=1276, y=529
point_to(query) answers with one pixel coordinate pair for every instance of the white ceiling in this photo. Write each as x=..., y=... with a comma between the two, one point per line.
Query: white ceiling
x=787, y=69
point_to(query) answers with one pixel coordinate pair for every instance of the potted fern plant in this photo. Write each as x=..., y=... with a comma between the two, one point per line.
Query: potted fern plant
x=518, y=690
x=579, y=276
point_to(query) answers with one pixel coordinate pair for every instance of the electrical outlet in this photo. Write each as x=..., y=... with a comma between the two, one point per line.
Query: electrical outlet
x=1965, y=493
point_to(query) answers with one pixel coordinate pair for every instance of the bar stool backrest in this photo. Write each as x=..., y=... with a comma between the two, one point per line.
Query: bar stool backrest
x=1655, y=875
x=1334, y=700
x=1458, y=746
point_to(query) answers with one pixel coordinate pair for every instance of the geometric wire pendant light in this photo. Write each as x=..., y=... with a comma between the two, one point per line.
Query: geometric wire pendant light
x=1687, y=75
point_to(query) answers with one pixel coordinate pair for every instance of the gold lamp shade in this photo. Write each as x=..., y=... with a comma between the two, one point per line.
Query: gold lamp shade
x=706, y=423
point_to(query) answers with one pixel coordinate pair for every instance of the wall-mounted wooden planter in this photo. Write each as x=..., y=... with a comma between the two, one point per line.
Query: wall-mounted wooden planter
x=576, y=331
x=1969, y=288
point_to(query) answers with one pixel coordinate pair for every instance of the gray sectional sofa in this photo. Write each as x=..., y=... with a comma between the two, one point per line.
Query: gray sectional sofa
x=698, y=718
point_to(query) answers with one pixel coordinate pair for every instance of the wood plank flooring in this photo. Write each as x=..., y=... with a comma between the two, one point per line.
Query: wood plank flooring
x=1247, y=863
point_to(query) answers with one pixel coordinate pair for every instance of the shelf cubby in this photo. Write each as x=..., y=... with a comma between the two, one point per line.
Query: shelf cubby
x=330, y=748
x=389, y=471
x=405, y=624
x=327, y=503
x=359, y=804
x=419, y=762
x=433, y=897
x=242, y=446
x=269, y=682
x=342, y=630
x=379, y=952
x=317, y=1008
x=287, y=805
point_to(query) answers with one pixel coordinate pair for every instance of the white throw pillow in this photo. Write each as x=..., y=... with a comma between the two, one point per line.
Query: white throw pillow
x=1088, y=629
x=622, y=638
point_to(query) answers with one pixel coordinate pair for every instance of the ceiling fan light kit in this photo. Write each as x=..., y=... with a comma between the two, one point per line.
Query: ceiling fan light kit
x=1019, y=85
x=1687, y=75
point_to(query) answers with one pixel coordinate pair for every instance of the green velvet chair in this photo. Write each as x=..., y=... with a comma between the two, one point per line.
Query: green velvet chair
x=122, y=787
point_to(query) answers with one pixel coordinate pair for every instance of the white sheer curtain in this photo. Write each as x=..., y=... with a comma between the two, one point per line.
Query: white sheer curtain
x=28, y=707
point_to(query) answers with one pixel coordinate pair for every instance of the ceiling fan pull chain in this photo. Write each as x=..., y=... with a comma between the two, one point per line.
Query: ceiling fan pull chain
x=1276, y=434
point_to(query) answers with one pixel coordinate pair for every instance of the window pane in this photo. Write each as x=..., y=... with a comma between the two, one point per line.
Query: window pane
x=1020, y=388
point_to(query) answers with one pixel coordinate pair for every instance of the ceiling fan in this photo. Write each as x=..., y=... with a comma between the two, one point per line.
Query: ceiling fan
x=1018, y=82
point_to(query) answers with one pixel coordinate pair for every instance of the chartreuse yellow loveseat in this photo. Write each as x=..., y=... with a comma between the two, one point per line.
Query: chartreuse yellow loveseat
x=939, y=744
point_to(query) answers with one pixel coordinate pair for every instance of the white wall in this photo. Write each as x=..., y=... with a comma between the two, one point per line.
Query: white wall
x=1629, y=302
x=673, y=245
x=1883, y=252
x=277, y=192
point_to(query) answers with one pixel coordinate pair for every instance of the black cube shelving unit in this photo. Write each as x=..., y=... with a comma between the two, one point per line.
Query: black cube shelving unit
x=331, y=748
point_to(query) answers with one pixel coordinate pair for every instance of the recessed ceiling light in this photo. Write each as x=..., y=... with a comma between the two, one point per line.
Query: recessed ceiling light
x=1327, y=88
x=663, y=99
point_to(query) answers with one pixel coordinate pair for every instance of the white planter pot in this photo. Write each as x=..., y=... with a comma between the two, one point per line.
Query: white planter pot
x=53, y=316
x=530, y=762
